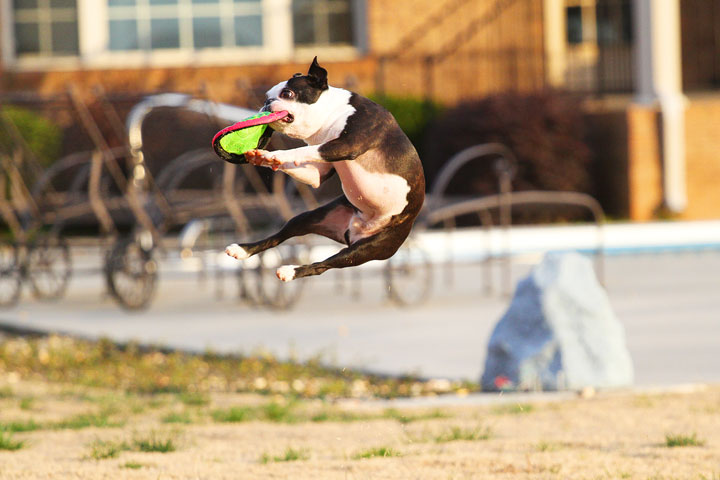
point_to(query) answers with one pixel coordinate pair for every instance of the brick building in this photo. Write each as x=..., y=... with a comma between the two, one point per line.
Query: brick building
x=650, y=68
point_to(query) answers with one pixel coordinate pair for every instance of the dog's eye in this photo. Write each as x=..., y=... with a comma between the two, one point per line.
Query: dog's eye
x=287, y=94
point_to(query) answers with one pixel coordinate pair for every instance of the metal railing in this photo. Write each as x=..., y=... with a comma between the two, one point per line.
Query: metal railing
x=441, y=211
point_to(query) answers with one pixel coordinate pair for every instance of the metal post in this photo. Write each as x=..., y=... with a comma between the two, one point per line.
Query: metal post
x=505, y=174
x=428, y=73
x=380, y=76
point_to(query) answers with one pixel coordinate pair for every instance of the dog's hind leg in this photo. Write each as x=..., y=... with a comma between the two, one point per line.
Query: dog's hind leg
x=330, y=221
x=380, y=246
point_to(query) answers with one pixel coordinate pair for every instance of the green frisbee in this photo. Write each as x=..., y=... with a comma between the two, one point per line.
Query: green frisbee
x=232, y=142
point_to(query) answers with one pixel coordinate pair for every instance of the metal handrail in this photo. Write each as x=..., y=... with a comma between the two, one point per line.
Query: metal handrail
x=142, y=109
x=530, y=197
x=507, y=165
x=438, y=211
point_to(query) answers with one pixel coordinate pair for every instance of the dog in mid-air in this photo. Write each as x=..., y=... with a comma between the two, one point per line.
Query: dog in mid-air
x=360, y=141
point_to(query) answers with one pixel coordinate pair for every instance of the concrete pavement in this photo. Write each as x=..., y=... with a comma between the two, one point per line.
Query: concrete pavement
x=669, y=304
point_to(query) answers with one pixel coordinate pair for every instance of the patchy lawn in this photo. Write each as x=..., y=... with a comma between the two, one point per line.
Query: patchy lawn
x=53, y=427
x=136, y=369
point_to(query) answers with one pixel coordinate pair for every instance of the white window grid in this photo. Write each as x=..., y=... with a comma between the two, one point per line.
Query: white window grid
x=43, y=15
x=185, y=11
x=588, y=18
x=93, y=24
x=321, y=11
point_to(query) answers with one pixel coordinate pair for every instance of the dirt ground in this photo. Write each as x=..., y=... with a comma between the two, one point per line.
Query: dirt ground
x=610, y=435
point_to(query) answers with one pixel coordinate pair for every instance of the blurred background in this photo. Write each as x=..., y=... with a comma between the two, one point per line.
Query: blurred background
x=553, y=125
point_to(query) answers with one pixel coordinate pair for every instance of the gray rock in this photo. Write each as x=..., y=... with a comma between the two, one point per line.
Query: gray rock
x=559, y=332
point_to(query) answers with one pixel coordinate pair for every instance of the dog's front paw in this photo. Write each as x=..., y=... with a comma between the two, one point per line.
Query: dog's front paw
x=263, y=158
x=236, y=251
x=286, y=273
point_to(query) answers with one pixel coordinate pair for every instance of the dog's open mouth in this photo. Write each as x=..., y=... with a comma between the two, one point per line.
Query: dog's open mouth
x=288, y=119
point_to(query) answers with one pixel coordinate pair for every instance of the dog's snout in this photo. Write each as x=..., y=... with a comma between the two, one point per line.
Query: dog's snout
x=266, y=107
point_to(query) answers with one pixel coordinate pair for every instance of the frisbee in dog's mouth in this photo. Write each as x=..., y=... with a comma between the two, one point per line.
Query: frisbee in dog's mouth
x=232, y=142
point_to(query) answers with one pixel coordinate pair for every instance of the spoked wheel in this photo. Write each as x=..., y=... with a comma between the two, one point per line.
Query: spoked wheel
x=408, y=274
x=250, y=281
x=10, y=274
x=131, y=273
x=275, y=293
x=49, y=267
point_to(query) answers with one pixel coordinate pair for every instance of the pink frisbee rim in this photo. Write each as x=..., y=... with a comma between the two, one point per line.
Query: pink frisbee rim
x=263, y=120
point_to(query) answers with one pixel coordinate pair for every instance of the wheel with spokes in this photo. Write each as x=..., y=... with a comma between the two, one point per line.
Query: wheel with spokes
x=408, y=275
x=10, y=274
x=131, y=273
x=48, y=267
x=275, y=293
x=250, y=281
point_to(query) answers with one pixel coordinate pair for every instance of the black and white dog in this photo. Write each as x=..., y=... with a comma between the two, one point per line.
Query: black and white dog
x=381, y=174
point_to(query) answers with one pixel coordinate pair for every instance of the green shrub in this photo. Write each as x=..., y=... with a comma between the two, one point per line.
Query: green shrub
x=412, y=114
x=545, y=131
x=42, y=136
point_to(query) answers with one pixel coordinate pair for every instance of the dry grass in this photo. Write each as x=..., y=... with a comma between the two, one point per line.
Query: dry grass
x=81, y=425
x=7, y=442
x=681, y=440
x=152, y=370
x=612, y=435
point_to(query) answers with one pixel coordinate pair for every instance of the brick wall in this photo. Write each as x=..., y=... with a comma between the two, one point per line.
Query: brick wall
x=627, y=169
x=502, y=53
x=390, y=22
x=702, y=140
x=700, y=27
x=644, y=163
x=486, y=51
x=2, y=66
x=607, y=137
x=628, y=148
x=224, y=84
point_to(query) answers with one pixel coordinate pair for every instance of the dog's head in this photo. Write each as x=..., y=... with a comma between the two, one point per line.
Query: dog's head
x=303, y=97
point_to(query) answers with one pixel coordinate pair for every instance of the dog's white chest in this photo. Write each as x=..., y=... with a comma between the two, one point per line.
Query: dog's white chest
x=375, y=194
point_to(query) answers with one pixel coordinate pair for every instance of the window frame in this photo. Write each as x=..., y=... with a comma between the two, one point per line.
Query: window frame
x=45, y=16
x=588, y=21
x=94, y=48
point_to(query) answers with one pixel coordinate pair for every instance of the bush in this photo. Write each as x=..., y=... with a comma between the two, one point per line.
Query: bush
x=544, y=131
x=42, y=136
x=413, y=114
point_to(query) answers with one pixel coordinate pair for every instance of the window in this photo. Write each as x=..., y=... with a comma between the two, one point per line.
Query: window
x=112, y=33
x=599, y=53
x=614, y=22
x=45, y=28
x=322, y=22
x=574, y=25
x=184, y=24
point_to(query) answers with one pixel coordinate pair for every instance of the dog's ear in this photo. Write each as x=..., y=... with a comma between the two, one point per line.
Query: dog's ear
x=318, y=75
